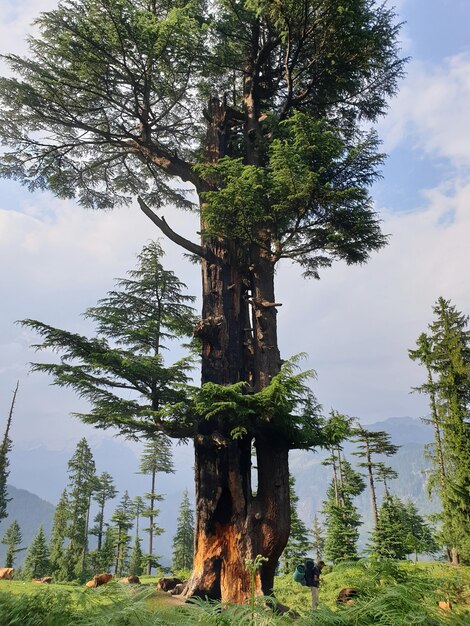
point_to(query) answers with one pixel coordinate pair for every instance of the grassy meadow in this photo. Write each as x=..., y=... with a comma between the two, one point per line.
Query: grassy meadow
x=390, y=594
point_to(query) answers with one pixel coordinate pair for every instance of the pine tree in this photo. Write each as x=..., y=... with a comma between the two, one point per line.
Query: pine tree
x=370, y=445
x=5, y=449
x=139, y=508
x=420, y=536
x=82, y=481
x=58, y=536
x=103, y=491
x=445, y=353
x=36, y=564
x=183, y=540
x=156, y=458
x=263, y=109
x=122, y=521
x=342, y=520
x=299, y=544
x=12, y=539
x=135, y=323
x=318, y=539
x=136, y=560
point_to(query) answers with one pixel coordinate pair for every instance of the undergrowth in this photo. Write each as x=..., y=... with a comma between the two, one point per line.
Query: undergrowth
x=390, y=594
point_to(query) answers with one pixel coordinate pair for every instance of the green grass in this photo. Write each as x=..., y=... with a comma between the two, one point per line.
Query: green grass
x=391, y=594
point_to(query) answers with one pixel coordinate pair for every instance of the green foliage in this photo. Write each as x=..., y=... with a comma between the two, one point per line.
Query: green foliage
x=445, y=353
x=299, y=544
x=58, y=537
x=36, y=563
x=286, y=406
x=121, y=370
x=12, y=539
x=103, y=491
x=310, y=194
x=183, y=540
x=82, y=481
x=5, y=449
x=122, y=521
x=136, y=560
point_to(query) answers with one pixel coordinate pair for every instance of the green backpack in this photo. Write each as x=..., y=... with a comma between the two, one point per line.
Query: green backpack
x=299, y=574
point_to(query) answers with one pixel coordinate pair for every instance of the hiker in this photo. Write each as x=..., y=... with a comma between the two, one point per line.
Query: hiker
x=312, y=579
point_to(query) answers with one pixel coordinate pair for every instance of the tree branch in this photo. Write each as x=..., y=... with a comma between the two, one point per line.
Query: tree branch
x=191, y=247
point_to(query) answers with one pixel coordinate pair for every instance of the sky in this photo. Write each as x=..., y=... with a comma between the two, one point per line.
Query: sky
x=356, y=324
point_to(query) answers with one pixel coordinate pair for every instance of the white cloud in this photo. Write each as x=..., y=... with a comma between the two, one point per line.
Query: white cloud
x=358, y=323
x=431, y=110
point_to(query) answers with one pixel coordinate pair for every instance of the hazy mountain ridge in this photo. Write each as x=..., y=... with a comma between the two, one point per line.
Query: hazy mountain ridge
x=45, y=472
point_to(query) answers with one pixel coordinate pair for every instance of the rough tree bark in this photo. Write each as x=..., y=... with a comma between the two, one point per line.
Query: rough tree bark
x=239, y=343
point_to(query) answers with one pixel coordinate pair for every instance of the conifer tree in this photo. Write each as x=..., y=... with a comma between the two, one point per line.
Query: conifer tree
x=445, y=353
x=262, y=108
x=5, y=449
x=58, y=536
x=183, y=540
x=12, y=539
x=370, y=445
x=401, y=530
x=36, y=564
x=299, y=544
x=103, y=491
x=122, y=521
x=318, y=539
x=139, y=508
x=342, y=520
x=156, y=458
x=82, y=481
x=136, y=559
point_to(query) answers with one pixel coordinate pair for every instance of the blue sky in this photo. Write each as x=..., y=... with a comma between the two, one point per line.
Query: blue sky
x=356, y=324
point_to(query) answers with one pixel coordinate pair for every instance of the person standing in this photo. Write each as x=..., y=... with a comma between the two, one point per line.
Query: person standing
x=312, y=579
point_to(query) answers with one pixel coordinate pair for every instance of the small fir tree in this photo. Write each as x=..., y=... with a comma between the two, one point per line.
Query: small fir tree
x=36, y=564
x=318, y=539
x=183, y=541
x=137, y=558
x=58, y=537
x=298, y=545
x=12, y=539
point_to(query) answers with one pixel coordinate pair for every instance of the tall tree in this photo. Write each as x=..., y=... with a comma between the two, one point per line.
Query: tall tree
x=318, y=538
x=103, y=491
x=342, y=520
x=5, y=449
x=183, y=540
x=12, y=539
x=299, y=542
x=156, y=457
x=122, y=521
x=445, y=353
x=260, y=107
x=36, y=563
x=82, y=481
x=139, y=507
x=370, y=445
x=59, y=534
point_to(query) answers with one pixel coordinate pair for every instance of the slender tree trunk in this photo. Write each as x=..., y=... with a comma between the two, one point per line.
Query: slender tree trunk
x=152, y=502
x=100, y=529
x=373, y=495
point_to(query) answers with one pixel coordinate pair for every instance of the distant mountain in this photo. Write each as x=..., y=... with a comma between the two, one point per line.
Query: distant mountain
x=30, y=512
x=44, y=472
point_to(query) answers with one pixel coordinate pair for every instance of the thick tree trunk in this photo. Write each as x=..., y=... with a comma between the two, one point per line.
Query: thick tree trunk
x=239, y=343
